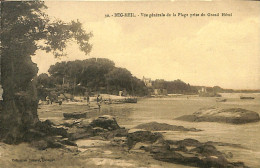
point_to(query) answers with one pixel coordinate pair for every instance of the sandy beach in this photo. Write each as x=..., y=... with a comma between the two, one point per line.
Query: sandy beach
x=240, y=140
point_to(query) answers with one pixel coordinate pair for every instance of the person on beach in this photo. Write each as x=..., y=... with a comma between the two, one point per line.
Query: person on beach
x=48, y=100
x=99, y=100
x=88, y=103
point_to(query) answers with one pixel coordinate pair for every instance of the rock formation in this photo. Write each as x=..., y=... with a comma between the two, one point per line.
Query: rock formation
x=229, y=115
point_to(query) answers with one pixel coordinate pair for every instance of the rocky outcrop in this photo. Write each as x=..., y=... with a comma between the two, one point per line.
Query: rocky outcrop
x=154, y=126
x=142, y=136
x=230, y=115
x=105, y=122
x=187, y=152
x=47, y=135
x=104, y=126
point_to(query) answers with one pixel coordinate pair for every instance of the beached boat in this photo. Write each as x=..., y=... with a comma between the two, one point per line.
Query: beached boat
x=131, y=100
x=121, y=101
x=76, y=115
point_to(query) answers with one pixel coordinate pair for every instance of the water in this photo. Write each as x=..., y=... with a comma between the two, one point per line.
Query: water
x=164, y=110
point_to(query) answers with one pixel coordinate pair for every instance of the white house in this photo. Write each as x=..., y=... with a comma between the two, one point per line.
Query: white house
x=147, y=81
x=203, y=90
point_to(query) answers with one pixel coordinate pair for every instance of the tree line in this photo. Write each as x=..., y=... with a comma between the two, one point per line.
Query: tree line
x=100, y=75
x=94, y=75
x=175, y=87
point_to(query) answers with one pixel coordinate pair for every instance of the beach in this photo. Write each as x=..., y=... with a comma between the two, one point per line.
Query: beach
x=241, y=140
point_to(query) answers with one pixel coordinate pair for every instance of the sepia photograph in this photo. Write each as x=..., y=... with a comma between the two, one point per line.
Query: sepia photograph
x=130, y=84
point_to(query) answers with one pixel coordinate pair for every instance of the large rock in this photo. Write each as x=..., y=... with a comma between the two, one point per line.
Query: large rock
x=106, y=122
x=75, y=133
x=104, y=126
x=186, y=152
x=142, y=136
x=185, y=142
x=154, y=126
x=230, y=115
x=47, y=135
x=42, y=130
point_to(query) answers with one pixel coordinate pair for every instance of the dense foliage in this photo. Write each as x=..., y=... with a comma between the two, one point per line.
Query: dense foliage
x=92, y=76
x=25, y=28
x=175, y=87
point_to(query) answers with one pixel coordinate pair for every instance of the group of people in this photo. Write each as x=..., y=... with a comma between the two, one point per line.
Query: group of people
x=99, y=100
x=50, y=100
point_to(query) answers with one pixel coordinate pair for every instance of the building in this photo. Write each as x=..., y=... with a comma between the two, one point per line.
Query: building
x=147, y=82
x=203, y=90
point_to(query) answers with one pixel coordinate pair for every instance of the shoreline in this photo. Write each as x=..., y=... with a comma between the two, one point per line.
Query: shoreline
x=95, y=155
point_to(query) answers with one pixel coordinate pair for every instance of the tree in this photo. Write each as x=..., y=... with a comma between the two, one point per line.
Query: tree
x=25, y=29
x=119, y=79
x=96, y=75
x=89, y=73
x=43, y=80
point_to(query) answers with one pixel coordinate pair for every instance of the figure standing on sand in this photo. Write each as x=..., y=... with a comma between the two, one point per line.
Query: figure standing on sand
x=88, y=103
x=48, y=100
x=99, y=100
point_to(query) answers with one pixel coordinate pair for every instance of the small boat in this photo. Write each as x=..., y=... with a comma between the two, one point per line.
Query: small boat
x=246, y=97
x=76, y=115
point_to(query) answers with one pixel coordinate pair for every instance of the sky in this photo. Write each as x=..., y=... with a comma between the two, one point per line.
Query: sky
x=203, y=50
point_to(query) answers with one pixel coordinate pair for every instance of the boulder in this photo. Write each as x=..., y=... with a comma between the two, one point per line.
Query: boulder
x=160, y=146
x=229, y=115
x=85, y=123
x=142, y=136
x=185, y=142
x=106, y=122
x=75, y=133
x=121, y=132
x=186, y=152
x=42, y=130
x=206, y=150
x=51, y=142
x=154, y=126
x=175, y=157
x=49, y=128
x=70, y=123
x=104, y=126
x=193, y=153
